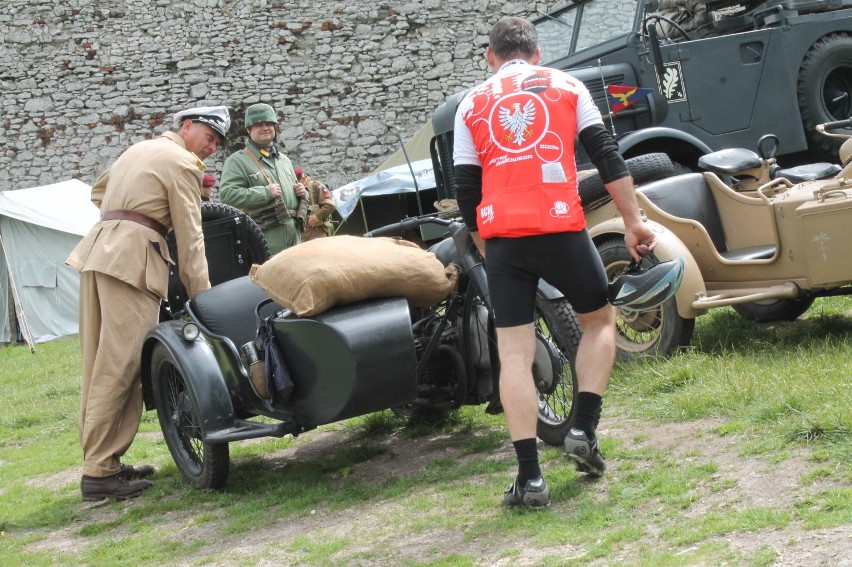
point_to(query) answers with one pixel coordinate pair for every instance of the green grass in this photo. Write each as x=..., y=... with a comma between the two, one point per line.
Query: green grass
x=774, y=392
x=779, y=385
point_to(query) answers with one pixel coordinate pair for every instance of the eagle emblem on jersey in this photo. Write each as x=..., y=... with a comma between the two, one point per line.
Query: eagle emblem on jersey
x=516, y=121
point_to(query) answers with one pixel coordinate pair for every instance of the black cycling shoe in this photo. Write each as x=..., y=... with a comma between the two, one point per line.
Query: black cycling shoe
x=584, y=453
x=534, y=494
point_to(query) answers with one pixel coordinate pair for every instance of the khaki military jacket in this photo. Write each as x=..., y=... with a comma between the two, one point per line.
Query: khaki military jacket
x=160, y=179
x=322, y=205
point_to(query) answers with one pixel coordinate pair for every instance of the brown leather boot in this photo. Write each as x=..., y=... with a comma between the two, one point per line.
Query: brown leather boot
x=115, y=487
x=135, y=473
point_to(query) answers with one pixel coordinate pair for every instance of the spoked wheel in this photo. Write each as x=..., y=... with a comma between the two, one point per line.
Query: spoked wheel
x=204, y=465
x=658, y=331
x=557, y=337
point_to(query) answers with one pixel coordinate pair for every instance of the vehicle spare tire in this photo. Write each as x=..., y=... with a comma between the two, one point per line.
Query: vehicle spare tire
x=643, y=169
x=825, y=90
x=232, y=242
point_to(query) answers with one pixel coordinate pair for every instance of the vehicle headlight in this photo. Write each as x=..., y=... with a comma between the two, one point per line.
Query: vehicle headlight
x=190, y=331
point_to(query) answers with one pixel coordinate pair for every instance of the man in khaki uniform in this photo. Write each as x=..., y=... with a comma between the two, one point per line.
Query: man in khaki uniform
x=318, y=223
x=260, y=180
x=154, y=186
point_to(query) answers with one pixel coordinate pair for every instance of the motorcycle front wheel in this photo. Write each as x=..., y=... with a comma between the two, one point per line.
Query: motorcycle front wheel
x=204, y=465
x=557, y=337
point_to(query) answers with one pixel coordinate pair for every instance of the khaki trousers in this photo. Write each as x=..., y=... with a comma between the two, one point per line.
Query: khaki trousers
x=114, y=318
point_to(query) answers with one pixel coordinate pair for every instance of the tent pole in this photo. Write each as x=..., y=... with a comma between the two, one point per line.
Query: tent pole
x=411, y=169
x=25, y=328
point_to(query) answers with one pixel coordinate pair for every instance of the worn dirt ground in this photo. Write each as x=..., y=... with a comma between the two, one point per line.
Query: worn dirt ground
x=749, y=481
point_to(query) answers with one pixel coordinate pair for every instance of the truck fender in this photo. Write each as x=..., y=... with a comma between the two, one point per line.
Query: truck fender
x=658, y=139
x=668, y=246
x=198, y=365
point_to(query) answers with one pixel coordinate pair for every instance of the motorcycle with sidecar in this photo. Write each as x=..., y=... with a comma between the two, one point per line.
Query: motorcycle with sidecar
x=352, y=360
x=763, y=240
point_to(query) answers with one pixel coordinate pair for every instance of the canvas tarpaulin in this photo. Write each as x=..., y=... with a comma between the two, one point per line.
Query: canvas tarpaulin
x=397, y=179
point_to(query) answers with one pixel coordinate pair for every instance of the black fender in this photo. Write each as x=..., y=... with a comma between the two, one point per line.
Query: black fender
x=547, y=291
x=681, y=147
x=197, y=362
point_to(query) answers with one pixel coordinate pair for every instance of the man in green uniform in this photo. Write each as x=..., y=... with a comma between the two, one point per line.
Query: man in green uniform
x=260, y=180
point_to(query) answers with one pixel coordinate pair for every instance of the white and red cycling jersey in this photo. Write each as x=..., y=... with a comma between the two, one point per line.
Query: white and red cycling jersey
x=519, y=127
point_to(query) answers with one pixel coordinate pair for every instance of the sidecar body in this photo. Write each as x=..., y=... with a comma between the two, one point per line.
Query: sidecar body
x=783, y=242
x=348, y=361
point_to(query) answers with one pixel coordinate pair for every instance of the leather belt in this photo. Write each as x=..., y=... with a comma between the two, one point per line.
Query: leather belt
x=139, y=218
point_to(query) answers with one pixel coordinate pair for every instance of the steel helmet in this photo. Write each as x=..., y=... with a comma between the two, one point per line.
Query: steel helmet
x=641, y=289
x=259, y=113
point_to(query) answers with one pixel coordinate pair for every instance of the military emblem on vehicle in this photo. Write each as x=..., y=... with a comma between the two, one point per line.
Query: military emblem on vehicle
x=671, y=83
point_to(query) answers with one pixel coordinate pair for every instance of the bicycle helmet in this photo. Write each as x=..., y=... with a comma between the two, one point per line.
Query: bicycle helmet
x=641, y=289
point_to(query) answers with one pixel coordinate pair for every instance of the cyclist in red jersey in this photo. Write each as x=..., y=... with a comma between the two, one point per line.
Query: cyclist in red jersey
x=516, y=185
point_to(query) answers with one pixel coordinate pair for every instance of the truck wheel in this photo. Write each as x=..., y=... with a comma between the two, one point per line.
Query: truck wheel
x=660, y=331
x=774, y=309
x=825, y=89
x=644, y=169
x=203, y=465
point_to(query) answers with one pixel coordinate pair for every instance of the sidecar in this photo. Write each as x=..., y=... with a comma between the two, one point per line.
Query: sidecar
x=348, y=361
x=767, y=253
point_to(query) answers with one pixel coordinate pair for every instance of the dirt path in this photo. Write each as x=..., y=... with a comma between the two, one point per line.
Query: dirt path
x=749, y=482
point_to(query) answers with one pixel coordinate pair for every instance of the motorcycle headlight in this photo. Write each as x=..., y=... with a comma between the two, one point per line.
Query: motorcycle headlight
x=190, y=331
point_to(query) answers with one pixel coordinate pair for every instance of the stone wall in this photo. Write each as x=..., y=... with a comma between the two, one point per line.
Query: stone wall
x=83, y=79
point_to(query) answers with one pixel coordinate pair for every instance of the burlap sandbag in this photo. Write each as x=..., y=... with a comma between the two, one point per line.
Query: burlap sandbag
x=312, y=277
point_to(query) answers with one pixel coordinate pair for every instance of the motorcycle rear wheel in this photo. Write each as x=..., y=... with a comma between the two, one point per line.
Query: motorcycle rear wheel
x=204, y=465
x=556, y=323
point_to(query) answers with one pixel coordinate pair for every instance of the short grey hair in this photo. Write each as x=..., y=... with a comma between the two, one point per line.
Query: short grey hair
x=513, y=37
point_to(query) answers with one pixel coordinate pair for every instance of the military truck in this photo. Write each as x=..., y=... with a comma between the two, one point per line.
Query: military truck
x=731, y=72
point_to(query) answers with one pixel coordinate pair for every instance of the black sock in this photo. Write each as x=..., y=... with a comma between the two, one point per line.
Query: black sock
x=588, y=413
x=527, y=453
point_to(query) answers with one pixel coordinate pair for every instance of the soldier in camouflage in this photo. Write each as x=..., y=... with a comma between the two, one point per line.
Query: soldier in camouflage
x=318, y=224
x=260, y=180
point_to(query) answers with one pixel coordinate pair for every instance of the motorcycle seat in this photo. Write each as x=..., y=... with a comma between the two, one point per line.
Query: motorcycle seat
x=808, y=172
x=228, y=309
x=730, y=161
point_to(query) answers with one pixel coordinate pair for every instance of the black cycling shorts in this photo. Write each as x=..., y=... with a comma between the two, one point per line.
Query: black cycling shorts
x=566, y=260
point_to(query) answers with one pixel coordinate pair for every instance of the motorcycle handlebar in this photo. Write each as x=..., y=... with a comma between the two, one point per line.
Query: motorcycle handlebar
x=838, y=124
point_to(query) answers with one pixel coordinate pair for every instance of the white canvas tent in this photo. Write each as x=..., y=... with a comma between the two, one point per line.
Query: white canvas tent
x=38, y=229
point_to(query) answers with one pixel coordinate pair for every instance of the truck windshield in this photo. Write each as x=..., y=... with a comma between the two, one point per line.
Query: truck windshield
x=583, y=24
